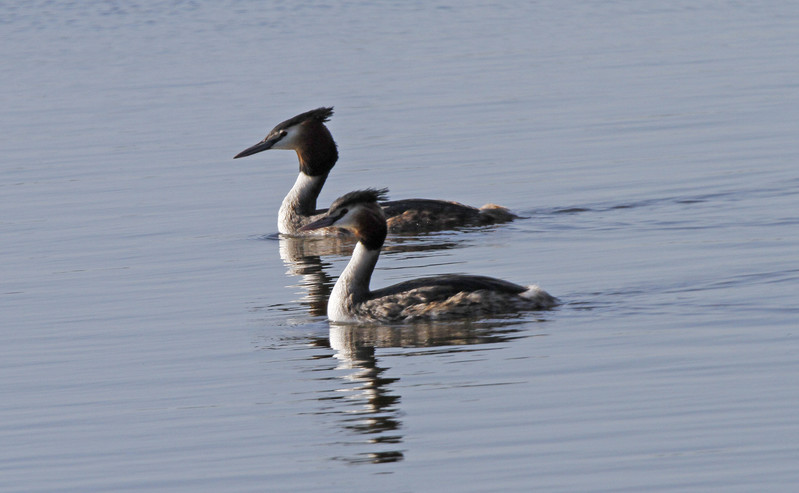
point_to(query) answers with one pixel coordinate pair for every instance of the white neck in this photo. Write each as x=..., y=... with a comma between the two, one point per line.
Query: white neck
x=300, y=203
x=352, y=286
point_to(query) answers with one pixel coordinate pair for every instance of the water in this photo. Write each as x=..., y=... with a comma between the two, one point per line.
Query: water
x=157, y=336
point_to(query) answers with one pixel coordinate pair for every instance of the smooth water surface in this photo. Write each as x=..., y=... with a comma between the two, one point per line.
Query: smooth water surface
x=157, y=334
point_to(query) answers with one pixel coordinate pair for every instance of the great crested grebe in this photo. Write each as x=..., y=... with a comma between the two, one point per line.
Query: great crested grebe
x=307, y=134
x=437, y=297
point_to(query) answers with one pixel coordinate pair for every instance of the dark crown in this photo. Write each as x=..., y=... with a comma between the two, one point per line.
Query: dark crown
x=368, y=196
x=319, y=114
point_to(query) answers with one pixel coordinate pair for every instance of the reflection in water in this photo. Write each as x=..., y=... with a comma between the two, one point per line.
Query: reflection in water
x=294, y=250
x=303, y=257
x=370, y=409
x=369, y=406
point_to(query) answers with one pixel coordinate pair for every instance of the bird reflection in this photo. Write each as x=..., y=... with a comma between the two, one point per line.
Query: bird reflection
x=303, y=257
x=370, y=406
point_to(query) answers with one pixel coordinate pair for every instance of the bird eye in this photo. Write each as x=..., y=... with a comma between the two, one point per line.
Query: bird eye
x=341, y=213
x=275, y=135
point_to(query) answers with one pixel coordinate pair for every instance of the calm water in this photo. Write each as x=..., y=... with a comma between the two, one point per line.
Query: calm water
x=156, y=335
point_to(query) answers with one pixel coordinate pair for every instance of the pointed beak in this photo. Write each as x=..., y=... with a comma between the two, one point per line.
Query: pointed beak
x=265, y=144
x=319, y=223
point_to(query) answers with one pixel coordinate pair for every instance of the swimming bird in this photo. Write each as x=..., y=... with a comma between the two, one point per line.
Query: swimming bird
x=437, y=297
x=307, y=135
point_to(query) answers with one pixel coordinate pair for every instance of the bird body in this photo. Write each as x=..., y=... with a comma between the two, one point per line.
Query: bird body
x=436, y=297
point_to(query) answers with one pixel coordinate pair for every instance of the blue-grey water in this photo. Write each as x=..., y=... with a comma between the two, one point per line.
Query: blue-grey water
x=155, y=335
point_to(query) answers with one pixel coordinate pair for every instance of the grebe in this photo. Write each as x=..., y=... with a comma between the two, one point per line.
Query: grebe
x=444, y=296
x=307, y=134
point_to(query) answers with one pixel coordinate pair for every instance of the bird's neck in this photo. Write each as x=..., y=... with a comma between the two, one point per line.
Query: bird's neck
x=352, y=286
x=300, y=203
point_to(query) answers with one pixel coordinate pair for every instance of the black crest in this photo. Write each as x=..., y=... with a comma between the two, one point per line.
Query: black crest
x=367, y=196
x=319, y=114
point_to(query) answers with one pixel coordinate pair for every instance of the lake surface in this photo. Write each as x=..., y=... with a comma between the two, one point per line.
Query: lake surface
x=157, y=335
